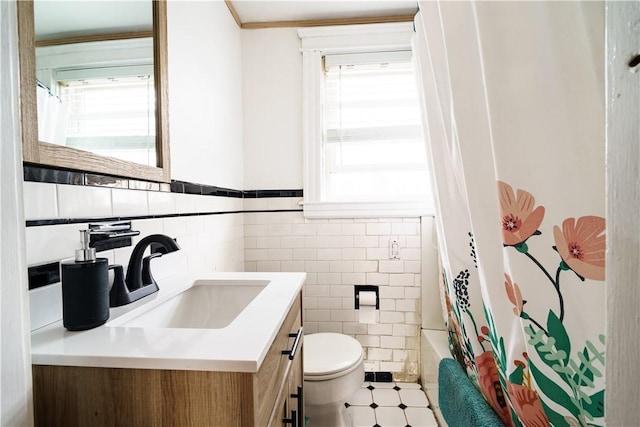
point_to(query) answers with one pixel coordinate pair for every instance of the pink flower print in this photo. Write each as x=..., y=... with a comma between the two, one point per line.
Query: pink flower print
x=526, y=404
x=514, y=295
x=581, y=245
x=519, y=218
x=489, y=381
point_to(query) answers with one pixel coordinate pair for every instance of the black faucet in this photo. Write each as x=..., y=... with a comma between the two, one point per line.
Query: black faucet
x=139, y=281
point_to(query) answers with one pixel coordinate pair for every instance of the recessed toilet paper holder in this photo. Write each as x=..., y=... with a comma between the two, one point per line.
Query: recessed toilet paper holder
x=366, y=288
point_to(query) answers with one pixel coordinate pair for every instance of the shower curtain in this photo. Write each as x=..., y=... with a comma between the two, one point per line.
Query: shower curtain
x=513, y=95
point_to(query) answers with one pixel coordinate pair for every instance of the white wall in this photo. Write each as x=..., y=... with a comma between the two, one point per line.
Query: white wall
x=205, y=94
x=272, y=107
x=623, y=222
x=15, y=362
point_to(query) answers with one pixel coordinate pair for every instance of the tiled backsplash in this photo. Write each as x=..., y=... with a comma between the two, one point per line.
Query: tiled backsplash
x=256, y=234
x=337, y=254
x=210, y=238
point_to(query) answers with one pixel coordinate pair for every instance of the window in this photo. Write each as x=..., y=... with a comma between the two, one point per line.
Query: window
x=364, y=148
x=373, y=148
x=100, y=97
x=113, y=116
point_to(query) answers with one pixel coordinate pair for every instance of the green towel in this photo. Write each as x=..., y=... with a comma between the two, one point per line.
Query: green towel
x=461, y=403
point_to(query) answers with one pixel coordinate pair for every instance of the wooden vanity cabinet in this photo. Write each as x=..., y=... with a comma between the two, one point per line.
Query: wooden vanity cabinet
x=86, y=396
x=277, y=394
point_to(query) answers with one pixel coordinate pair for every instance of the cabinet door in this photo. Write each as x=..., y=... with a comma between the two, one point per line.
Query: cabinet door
x=282, y=412
x=270, y=380
x=290, y=403
x=295, y=383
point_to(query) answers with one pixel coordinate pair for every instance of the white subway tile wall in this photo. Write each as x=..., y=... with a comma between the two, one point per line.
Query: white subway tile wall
x=128, y=202
x=336, y=255
x=41, y=202
x=76, y=201
x=208, y=242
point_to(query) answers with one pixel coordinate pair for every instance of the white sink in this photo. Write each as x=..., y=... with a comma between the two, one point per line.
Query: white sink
x=208, y=304
x=222, y=321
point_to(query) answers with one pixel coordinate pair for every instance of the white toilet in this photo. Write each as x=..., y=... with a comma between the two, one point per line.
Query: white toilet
x=333, y=372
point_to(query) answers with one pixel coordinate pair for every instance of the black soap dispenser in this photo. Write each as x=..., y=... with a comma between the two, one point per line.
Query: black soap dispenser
x=85, y=288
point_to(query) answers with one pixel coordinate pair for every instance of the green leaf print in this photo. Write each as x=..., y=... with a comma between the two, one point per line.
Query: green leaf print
x=559, y=333
x=596, y=407
x=552, y=391
x=578, y=377
x=596, y=356
x=497, y=343
x=584, y=375
x=545, y=347
x=516, y=376
x=555, y=418
x=502, y=354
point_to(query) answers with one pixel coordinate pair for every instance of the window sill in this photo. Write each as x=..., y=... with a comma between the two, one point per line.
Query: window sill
x=366, y=209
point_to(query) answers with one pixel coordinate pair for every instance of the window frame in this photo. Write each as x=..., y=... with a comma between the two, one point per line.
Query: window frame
x=315, y=43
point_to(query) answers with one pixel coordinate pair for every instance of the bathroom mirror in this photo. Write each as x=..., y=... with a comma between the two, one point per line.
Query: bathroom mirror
x=72, y=60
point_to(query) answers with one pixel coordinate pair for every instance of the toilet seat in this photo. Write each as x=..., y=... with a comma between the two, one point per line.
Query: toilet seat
x=329, y=355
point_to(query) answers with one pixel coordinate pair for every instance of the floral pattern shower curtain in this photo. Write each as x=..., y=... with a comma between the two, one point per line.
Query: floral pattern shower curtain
x=513, y=94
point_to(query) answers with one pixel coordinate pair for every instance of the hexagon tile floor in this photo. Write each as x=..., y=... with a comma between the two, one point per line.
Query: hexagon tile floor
x=390, y=405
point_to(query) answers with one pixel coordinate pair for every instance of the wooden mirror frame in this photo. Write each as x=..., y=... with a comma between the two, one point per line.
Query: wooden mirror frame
x=35, y=151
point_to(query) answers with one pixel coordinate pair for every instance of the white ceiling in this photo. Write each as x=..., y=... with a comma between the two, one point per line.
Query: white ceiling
x=59, y=19
x=301, y=10
x=69, y=18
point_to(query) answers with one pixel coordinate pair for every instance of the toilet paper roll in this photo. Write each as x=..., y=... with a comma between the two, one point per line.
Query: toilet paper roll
x=367, y=312
x=367, y=298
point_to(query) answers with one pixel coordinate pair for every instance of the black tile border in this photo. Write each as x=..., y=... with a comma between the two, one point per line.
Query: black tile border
x=96, y=180
x=42, y=174
x=257, y=194
x=63, y=221
x=38, y=173
x=54, y=176
x=43, y=274
x=49, y=175
x=66, y=221
x=378, y=377
x=183, y=187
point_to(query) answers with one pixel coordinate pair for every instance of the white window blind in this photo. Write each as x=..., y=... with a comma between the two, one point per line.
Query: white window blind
x=114, y=116
x=373, y=146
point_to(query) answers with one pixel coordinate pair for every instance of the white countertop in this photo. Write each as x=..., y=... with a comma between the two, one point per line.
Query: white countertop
x=239, y=347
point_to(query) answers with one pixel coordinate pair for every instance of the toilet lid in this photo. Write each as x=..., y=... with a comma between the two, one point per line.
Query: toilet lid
x=327, y=353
